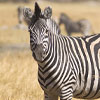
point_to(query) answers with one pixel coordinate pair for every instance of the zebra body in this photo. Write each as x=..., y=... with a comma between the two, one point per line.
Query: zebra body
x=67, y=66
x=73, y=65
x=81, y=26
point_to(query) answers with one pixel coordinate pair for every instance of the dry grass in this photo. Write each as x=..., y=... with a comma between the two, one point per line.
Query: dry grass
x=18, y=78
x=18, y=70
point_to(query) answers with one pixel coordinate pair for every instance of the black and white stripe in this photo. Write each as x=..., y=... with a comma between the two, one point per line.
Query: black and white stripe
x=71, y=67
x=53, y=26
x=67, y=66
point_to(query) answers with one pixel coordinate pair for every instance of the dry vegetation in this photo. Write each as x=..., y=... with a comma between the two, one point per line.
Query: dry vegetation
x=18, y=70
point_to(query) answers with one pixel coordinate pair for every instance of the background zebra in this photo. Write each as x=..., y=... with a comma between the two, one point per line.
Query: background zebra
x=83, y=26
x=67, y=66
x=20, y=14
x=21, y=19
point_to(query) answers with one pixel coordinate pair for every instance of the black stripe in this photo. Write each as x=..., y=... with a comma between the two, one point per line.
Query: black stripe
x=86, y=67
x=94, y=38
x=92, y=68
x=62, y=66
x=55, y=70
x=96, y=49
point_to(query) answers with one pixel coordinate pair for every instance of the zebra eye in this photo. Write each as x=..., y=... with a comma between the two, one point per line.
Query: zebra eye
x=47, y=31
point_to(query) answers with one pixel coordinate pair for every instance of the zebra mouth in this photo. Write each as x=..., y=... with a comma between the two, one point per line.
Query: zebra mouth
x=37, y=53
x=38, y=59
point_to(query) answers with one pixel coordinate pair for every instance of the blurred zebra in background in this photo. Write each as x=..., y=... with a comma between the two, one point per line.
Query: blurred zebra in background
x=20, y=14
x=81, y=26
x=21, y=20
x=67, y=66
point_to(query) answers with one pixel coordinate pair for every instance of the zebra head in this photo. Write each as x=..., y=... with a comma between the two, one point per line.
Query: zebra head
x=28, y=13
x=39, y=33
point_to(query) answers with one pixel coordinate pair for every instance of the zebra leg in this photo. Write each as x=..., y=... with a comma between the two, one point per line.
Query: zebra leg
x=50, y=97
x=66, y=94
x=66, y=97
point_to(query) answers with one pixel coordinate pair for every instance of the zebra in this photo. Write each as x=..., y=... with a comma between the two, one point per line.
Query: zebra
x=20, y=14
x=21, y=19
x=67, y=66
x=83, y=26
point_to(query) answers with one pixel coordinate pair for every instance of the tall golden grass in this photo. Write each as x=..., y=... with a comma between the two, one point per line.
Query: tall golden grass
x=18, y=70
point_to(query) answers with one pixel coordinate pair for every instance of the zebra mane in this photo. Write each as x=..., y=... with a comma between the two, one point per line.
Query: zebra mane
x=53, y=26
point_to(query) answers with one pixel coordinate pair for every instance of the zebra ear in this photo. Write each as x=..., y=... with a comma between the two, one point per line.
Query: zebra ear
x=48, y=12
x=37, y=10
x=27, y=12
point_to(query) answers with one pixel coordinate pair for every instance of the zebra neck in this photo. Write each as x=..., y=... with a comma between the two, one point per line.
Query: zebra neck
x=52, y=51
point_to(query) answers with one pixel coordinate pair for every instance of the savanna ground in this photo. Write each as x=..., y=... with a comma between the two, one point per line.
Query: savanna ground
x=18, y=70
